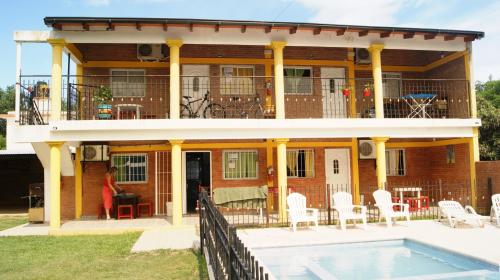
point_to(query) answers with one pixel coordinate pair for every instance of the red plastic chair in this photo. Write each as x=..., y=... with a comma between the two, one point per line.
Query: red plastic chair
x=128, y=214
x=144, y=205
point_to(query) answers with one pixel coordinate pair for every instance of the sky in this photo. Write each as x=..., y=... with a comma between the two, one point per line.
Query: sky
x=477, y=15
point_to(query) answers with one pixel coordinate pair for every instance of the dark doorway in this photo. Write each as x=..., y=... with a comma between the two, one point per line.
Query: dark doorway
x=197, y=176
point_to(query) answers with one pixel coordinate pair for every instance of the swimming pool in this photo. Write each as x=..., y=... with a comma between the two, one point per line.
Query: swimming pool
x=395, y=259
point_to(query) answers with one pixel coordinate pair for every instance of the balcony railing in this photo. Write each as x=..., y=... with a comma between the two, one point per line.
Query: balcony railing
x=148, y=97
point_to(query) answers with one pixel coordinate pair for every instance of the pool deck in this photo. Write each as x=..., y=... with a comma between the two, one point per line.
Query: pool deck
x=480, y=243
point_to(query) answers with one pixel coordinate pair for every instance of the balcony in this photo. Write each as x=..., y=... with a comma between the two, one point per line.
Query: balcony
x=139, y=96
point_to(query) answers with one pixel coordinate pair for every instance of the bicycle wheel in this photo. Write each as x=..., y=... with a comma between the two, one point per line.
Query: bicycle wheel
x=185, y=113
x=257, y=112
x=214, y=111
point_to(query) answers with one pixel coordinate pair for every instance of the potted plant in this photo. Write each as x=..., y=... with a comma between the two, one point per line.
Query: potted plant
x=102, y=97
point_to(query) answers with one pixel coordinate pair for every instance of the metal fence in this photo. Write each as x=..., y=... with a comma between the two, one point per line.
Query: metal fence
x=227, y=255
x=422, y=197
x=227, y=97
x=137, y=96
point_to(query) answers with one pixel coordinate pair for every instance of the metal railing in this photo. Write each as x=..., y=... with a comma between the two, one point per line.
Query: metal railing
x=227, y=255
x=264, y=213
x=426, y=98
x=228, y=97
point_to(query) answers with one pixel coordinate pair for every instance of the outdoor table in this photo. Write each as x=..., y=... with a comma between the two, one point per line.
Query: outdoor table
x=418, y=103
x=408, y=189
x=125, y=199
x=135, y=108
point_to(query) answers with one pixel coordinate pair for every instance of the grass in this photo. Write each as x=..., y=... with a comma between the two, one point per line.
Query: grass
x=93, y=257
x=12, y=221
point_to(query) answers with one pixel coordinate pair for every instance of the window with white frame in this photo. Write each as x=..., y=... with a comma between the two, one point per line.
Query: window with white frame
x=298, y=80
x=128, y=82
x=237, y=80
x=240, y=164
x=395, y=162
x=300, y=163
x=131, y=168
x=392, y=84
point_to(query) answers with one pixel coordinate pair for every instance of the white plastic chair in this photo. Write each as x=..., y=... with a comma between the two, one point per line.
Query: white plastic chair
x=495, y=208
x=456, y=213
x=298, y=211
x=386, y=207
x=342, y=202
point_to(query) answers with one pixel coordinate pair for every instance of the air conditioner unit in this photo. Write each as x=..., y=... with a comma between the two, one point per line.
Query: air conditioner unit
x=95, y=153
x=366, y=149
x=363, y=56
x=150, y=52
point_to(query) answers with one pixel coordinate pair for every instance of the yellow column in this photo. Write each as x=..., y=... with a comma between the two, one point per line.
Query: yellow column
x=79, y=82
x=355, y=170
x=176, y=157
x=175, y=92
x=282, y=177
x=375, y=50
x=351, y=83
x=268, y=72
x=78, y=184
x=381, y=169
x=279, y=79
x=55, y=184
x=472, y=97
x=56, y=79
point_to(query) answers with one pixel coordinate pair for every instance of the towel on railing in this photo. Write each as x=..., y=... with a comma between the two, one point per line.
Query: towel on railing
x=240, y=197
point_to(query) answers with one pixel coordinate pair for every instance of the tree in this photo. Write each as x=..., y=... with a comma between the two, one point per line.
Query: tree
x=488, y=109
x=7, y=100
x=7, y=103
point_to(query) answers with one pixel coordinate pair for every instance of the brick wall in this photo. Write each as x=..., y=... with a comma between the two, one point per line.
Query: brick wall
x=487, y=171
x=67, y=197
x=93, y=182
x=423, y=165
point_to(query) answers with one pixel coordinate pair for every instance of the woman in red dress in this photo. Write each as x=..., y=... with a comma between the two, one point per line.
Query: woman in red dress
x=108, y=190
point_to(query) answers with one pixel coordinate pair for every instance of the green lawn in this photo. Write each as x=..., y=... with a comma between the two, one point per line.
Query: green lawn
x=12, y=221
x=93, y=257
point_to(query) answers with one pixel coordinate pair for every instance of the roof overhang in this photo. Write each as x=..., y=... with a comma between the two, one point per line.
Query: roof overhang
x=110, y=23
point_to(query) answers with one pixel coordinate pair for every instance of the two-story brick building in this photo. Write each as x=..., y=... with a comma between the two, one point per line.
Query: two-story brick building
x=222, y=104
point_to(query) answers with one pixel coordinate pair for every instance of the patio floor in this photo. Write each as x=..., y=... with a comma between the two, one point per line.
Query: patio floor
x=99, y=226
x=480, y=243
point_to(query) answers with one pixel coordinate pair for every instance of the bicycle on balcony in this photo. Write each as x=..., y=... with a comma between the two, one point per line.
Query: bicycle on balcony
x=211, y=110
x=238, y=108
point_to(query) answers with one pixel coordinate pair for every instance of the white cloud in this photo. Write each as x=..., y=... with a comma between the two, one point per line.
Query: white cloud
x=98, y=3
x=422, y=13
x=358, y=12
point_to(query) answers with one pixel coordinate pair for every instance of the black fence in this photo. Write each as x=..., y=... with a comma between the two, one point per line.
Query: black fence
x=227, y=255
x=422, y=197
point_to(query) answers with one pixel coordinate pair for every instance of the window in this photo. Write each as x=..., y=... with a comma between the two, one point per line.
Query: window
x=237, y=80
x=132, y=168
x=450, y=154
x=392, y=85
x=336, y=166
x=298, y=80
x=240, y=165
x=395, y=162
x=128, y=83
x=300, y=163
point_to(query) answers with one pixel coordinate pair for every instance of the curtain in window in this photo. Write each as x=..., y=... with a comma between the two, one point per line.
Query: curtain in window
x=237, y=80
x=241, y=167
x=309, y=163
x=291, y=163
x=400, y=163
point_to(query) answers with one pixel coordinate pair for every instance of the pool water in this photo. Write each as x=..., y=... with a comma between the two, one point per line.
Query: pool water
x=398, y=259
